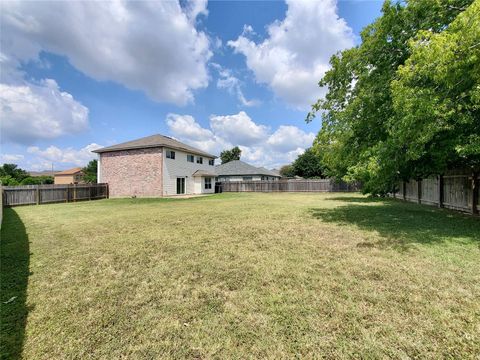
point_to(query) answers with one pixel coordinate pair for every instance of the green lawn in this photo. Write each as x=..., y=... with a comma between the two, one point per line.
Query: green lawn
x=240, y=276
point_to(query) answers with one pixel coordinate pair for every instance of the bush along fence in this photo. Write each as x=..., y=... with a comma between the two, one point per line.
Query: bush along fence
x=317, y=185
x=44, y=194
x=456, y=190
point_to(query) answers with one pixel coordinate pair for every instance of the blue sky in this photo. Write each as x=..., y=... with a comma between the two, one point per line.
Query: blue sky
x=77, y=76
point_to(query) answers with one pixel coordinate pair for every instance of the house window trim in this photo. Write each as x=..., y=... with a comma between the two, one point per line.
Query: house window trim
x=200, y=160
x=171, y=152
x=211, y=162
x=209, y=184
x=190, y=156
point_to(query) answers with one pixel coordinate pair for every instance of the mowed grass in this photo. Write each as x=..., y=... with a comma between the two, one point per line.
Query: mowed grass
x=240, y=276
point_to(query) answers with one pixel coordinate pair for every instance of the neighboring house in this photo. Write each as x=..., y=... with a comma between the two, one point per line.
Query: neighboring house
x=155, y=165
x=238, y=170
x=70, y=176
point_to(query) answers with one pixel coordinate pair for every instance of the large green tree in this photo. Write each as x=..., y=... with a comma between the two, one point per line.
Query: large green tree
x=11, y=174
x=358, y=110
x=90, y=172
x=436, y=98
x=230, y=155
x=308, y=165
x=287, y=171
x=14, y=171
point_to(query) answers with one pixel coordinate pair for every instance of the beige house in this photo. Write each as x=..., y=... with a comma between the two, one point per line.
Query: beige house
x=70, y=176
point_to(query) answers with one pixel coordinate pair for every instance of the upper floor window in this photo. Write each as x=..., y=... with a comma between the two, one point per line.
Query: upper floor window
x=211, y=162
x=190, y=158
x=247, y=178
x=199, y=160
x=170, y=154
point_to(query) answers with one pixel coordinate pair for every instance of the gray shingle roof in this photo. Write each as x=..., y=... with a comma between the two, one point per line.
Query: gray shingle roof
x=152, y=142
x=238, y=167
x=204, y=173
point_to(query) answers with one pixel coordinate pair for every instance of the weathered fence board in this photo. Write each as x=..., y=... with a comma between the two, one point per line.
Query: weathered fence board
x=411, y=190
x=321, y=185
x=429, y=191
x=454, y=190
x=44, y=194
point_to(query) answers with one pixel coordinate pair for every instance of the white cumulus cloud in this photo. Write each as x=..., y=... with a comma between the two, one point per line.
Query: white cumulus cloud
x=11, y=158
x=238, y=128
x=288, y=138
x=295, y=54
x=39, y=111
x=151, y=46
x=259, y=145
x=187, y=127
x=61, y=158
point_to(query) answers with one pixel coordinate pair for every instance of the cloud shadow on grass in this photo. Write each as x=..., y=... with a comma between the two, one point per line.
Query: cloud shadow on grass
x=14, y=272
x=401, y=224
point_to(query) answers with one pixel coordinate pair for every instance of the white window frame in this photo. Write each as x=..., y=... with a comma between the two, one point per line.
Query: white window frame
x=205, y=183
x=169, y=154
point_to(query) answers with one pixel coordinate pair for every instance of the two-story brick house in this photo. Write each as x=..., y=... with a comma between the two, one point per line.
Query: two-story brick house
x=155, y=165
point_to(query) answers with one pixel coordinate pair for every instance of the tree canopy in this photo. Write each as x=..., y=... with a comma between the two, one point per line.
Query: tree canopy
x=90, y=172
x=287, y=171
x=230, y=155
x=308, y=165
x=398, y=105
x=11, y=175
x=14, y=171
x=37, y=180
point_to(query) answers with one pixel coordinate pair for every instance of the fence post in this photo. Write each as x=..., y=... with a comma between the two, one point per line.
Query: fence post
x=475, y=184
x=37, y=196
x=440, y=191
x=419, y=191
x=74, y=192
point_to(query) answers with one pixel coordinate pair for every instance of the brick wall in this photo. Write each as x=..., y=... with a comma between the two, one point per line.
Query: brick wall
x=133, y=172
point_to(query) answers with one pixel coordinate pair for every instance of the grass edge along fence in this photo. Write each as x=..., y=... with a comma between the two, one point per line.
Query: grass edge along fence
x=311, y=185
x=456, y=190
x=46, y=194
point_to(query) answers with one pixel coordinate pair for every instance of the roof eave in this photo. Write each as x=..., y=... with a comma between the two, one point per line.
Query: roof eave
x=256, y=174
x=104, y=150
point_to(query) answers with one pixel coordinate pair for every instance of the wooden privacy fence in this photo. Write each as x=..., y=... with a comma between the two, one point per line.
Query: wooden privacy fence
x=320, y=185
x=44, y=194
x=455, y=190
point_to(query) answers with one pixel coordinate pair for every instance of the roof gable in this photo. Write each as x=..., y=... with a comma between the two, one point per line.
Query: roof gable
x=72, y=171
x=152, y=141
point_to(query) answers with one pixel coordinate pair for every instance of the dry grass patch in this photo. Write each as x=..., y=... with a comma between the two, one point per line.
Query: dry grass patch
x=240, y=276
